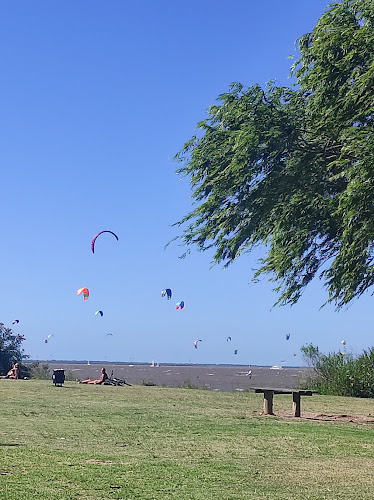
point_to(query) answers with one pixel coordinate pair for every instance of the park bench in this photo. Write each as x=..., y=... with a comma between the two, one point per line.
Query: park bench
x=269, y=394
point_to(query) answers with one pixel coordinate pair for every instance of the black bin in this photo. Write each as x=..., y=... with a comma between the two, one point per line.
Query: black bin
x=58, y=377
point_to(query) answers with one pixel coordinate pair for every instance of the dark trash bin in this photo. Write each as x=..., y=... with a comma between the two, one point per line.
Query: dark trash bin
x=58, y=377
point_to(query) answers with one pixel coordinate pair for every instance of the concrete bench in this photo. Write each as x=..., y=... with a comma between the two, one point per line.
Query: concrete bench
x=269, y=394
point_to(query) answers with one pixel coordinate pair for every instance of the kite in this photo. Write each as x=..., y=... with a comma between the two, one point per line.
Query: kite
x=99, y=312
x=288, y=335
x=109, y=335
x=85, y=292
x=47, y=339
x=179, y=305
x=166, y=292
x=98, y=234
x=344, y=342
x=228, y=339
x=195, y=343
x=236, y=352
x=15, y=321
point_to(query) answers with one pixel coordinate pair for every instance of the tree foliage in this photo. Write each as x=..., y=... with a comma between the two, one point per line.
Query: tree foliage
x=11, y=350
x=293, y=168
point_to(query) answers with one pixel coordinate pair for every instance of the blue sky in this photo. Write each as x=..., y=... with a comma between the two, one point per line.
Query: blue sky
x=97, y=97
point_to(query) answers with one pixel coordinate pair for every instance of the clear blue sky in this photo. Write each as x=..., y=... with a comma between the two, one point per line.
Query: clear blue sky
x=96, y=99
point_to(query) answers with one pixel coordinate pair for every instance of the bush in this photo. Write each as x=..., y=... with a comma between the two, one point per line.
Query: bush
x=341, y=374
x=148, y=383
x=39, y=370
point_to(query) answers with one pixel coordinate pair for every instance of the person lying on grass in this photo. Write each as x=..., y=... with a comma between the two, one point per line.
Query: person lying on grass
x=103, y=378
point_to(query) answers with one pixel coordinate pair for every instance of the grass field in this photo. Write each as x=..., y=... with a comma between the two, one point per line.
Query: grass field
x=102, y=442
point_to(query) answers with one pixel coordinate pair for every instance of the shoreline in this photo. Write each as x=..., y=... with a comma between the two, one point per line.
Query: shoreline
x=227, y=378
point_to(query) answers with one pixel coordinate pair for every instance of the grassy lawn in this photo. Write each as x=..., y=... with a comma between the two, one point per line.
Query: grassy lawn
x=94, y=442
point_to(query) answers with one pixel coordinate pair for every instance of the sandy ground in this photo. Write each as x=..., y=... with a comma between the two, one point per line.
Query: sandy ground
x=213, y=377
x=324, y=417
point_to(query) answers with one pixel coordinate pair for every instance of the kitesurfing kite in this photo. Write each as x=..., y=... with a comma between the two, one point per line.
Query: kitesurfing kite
x=344, y=342
x=109, y=335
x=15, y=321
x=47, y=339
x=179, y=305
x=166, y=292
x=98, y=234
x=228, y=339
x=288, y=335
x=85, y=292
x=195, y=343
x=236, y=352
x=99, y=312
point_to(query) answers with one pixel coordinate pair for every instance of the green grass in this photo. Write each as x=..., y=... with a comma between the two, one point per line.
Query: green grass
x=93, y=442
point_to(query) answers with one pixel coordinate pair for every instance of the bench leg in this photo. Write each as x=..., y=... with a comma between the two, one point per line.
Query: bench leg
x=268, y=402
x=296, y=404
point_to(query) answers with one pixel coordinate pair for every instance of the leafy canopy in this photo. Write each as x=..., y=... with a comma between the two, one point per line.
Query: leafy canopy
x=11, y=350
x=293, y=168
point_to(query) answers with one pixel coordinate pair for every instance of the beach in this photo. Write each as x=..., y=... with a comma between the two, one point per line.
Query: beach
x=229, y=378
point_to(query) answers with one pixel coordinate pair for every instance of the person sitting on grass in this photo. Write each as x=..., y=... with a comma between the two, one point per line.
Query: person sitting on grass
x=103, y=378
x=13, y=372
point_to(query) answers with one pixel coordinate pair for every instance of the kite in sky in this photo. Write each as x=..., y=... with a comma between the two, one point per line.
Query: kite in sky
x=166, y=292
x=15, y=321
x=228, y=339
x=179, y=305
x=99, y=312
x=236, y=352
x=98, y=234
x=47, y=339
x=195, y=343
x=288, y=335
x=85, y=292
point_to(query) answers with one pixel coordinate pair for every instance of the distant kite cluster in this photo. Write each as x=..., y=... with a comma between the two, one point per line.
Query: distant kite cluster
x=86, y=293
x=167, y=292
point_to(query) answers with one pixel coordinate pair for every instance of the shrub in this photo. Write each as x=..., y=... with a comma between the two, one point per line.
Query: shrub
x=39, y=370
x=187, y=384
x=341, y=374
x=148, y=383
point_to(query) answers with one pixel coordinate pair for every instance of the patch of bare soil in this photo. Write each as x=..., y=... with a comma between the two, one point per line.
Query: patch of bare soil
x=325, y=417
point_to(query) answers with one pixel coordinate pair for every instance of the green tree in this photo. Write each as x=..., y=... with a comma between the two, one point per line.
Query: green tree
x=292, y=169
x=11, y=350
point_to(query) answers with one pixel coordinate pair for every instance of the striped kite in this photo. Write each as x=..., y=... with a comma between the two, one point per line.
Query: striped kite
x=85, y=292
